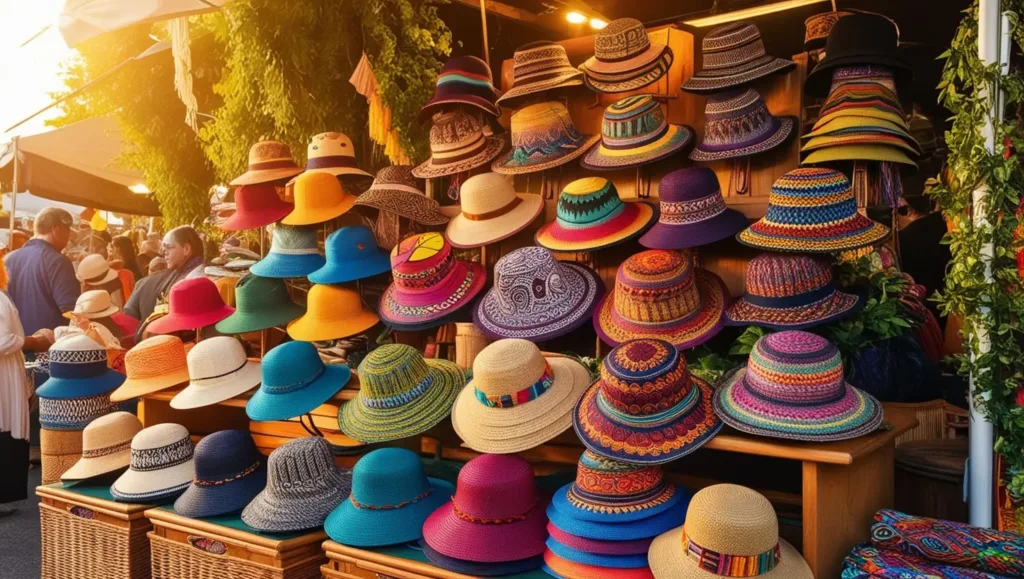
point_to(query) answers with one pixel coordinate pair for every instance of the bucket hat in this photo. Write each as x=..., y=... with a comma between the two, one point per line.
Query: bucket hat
x=733, y=55
x=260, y=303
x=332, y=312
x=154, y=364
x=496, y=515
x=692, y=212
x=812, y=210
x=635, y=132
x=599, y=546
x=218, y=371
x=491, y=211
x=463, y=80
x=543, y=137
x=647, y=408
x=93, y=304
x=817, y=27
x=538, y=67
x=659, y=294
x=557, y=566
x=391, y=498
x=106, y=446
x=858, y=39
x=334, y=154
x=294, y=252
x=790, y=292
x=352, y=254
x=624, y=58
x=94, y=270
x=730, y=530
x=395, y=189
x=295, y=381
x=401, y=394
x=518, y=399
x=230, y=472
x=536, y=297
x=269, y=161
x=303, y=487
x=477, y=569
x=590, y=215
x=78, y=368
x=256, y=206
x=738, y=124
x=193, y=303
x=610, y=562
x=457, y=144
x=318, y=197
x=793, y=388
x=161, y=466
x=73, y=414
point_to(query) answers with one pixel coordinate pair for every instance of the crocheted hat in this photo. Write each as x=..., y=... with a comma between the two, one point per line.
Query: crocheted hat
x=260, y=303
x=269, y=161
x=78, y=368
x=624, y=58
x=733, y=55
x=859, y=39
x=332, y=312
x=812, y=210
x=218, y=370
x=230, y=472
x=73, y=414
x=256, y=206
x=334, y=154
x=154, y=364
x=295, y=382
x=692, y=211
x=318, y=197
x=94, y=270
x=464, y=80
x=599, y=546
x=93, y=304
x=538, y=67
x=491, y=211
x=635, y=132
x=294, y=252
x=738, y=124
x=352, y=254
x=457, y=144
x=590, y=216
x=659, y=294
x=106, y=446
x=192, y=303
x=793, y=388
x=543, y=137
x=161, y=466
x=395, y=189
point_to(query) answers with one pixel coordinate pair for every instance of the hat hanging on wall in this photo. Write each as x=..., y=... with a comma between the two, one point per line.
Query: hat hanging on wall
x=691, y=211
x=543, y=137
x=464, y=80
x=395, y=189
x=733, y=55
x=862, y=38
x=739, y=124
x=590, y=216
x=491, y=211
x=538, y=67
x=458, y=143
x=624, y=58
x=635, y=132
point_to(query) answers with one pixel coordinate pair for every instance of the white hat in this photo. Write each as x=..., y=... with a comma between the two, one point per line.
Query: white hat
x=94, y=270
x=93, y=304
x=218, y=370
x=161, y=465
x=491, y=210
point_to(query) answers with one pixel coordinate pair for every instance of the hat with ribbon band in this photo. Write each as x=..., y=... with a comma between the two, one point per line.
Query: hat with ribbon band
x=692, y=212
x=294, y=382
x=230, y=472
x=260, y=303
x=491, y=210
x=256, y=206
x=193, y=303
x=332, y=312
x=458, y=143
x=106, y=446
x=733, y=55
x=269, y=161
x=396, y=190
x=635, y=132
x=219, y=371
x=739, y=124
x=294, y=252
x=154, y=364
x=318, y=197
x=93, y=304
x=78, y=368
x=538, y=67
x=94, y=270
x=334, y=154
x=464, y=80
x=624, y=58
x=543, y=137
x=590, y=215
x=352, y=254
x=161, y=466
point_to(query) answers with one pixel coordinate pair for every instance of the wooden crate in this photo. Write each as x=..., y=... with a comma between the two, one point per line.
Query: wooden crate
x=351, y=563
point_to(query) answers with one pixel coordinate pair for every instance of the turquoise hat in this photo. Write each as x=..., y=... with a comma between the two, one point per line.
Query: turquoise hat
x=293, y=253
x=352, y=254
x=295, y=382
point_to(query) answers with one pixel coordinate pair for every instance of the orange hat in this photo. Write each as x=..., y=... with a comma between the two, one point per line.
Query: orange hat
x=152, y=365
x=332, y=312
x=318, y=197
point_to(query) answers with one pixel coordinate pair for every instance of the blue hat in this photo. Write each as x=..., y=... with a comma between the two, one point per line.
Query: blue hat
x=642, y=529
x=476, y=569
x=295, y=381
x=391, y=498
x=78, y=369
x=352, y=254
x=293, y=253
x=613, y=561
x=230, y=472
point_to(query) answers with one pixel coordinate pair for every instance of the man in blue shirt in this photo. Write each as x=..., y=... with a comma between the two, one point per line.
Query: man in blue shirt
x=41, y=280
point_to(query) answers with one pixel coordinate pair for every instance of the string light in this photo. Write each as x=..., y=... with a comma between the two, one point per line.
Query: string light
x=597, y=23
x=575, y=18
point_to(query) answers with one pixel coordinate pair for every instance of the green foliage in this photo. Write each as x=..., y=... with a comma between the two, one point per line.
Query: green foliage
x=705, y=364
x=744, y=344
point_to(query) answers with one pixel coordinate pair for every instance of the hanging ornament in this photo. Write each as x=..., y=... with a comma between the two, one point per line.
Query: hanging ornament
x=380, y=130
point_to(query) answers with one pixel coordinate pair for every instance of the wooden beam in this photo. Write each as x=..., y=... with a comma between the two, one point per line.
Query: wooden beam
x=583, y=7
x=503, y=10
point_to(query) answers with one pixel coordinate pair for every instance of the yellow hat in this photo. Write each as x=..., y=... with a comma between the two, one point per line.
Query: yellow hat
x=332, y=312
x=860, y=138
x=318, y=197
x=859, y=153
x=861, y=112
x=839, y=123
x=154, y=364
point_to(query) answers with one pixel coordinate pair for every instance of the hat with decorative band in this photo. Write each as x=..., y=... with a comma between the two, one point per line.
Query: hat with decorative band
x=230, y=472
x=477, y=569
x=332, y=312
x=193, y=303
x=543, y=137
x=692, y=212
x=73, y=414
x=154, y=364
x=260, y=303
x=817, y=27
x=161, y=466
x=256, y=206
x=858, y=39
x=863, y=81
x=624, y=58
x=793, y=388
x=635, y=132
x=219, y=371
x=659, y=294
x=537, y=67
x=318, y=197
x=491, y=211
x=611, y=562
x=395, y=189
x=352, y=254
x=730, y=531
x=106, y=446
x=560, y=567
x=294, y=382
x=93, y=304
x=860, y=152
x=78, y=368
x=294, y=252
x=733, y=55
x=464, y=80
x=738, y=124
x=269, y=161
x=458, y=143
x=334, y=154
x=812, y=210
x=94, y=270
x=590, y=215
x=536, y=297
x=391, y=498
x=598, y=546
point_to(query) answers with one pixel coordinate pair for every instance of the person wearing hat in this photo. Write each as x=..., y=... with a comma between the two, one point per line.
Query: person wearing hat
x=183, y=249
x=92, y=316
x=95, y=273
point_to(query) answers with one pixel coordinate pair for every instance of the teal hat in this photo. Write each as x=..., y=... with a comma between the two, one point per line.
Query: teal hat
x=293, y=253
x=352, y=254
x=260, y=303
x=295, y=382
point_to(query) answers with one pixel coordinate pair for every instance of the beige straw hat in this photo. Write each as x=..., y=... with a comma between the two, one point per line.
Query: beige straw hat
x=728, y=528
x=491, y=211
x=517, y=399
x=93, y=304
x=154, y=364
x=268, y=161
x=332, y=153
x=219, y=370
x=94, y=270
x=106, y=446
x=161, y=466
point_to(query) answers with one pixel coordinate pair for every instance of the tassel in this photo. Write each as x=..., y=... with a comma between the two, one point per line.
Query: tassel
x=177, y=29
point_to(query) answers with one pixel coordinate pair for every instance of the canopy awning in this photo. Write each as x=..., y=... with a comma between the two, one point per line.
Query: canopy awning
x=80, y=20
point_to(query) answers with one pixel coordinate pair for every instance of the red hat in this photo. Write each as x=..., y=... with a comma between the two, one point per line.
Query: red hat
x=256, y=206
x=194, y=303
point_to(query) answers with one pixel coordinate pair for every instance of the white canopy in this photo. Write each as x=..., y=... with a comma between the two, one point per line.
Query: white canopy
x=82, y=19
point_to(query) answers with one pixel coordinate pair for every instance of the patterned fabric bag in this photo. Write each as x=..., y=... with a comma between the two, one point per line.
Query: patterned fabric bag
x=866, y=561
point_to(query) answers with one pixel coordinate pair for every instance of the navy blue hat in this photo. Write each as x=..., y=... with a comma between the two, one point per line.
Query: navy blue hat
x=352, y=254
x=481, y=569
x=585, y=558
x=78, y=369
x=295, y=381
x=230, y=472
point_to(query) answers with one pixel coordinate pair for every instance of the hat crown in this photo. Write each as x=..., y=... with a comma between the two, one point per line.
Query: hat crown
x=92, y=302
x=73, y=413
x=214, y=357
x=486, y=193
x=633, y=122
x=528, y=280
x=507, y=366
x=731, y=45
x=736, y=117
x=395, y=175
x=811, y=196
x=496, y=486
x=156, y=356
x=543, y=125
x=590, y=200
x=732, y=520
x=817, y=27
x=161, y=446
x=330, y=145
x=538, y=59
x=657, y=285
x=257, y=197
x=644, y=377
x=621, y=39
x=195, y=296
x=862, y=33
x=795, y=367
x=421, y=262
x=391, y=370
x=351, y=243
x=299, y=463
x=456, y=133
x=291, y=366
x=471, y=65
x=269, y=151
x=226, y=454
x=254, y=293
x=779, y=275
x=317, y=191
x=291, y=238
x=109, y=434
x=77, y=358
x=387, y=477
x=332, y=302
x=92, y=266
x=603, y=479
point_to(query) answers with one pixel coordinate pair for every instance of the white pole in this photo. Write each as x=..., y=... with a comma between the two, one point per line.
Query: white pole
x=14, y=194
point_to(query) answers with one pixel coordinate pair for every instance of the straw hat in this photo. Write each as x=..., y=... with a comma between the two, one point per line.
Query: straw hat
x=739, y=125
x=463, y=80
x=859, y=153
x=94, y=270
x=491, y=211
x=729, y=530
x=93, y=304
x=260, y=303
x=230, y=472
x=332, y=312
x=733, y=55
x=161, y=466
x=78, y=368
x=73, y=414
x=219, y=370
x=294, y=252
x=624, y=58
x=538, y=67
x=268, y=161
x=396, y=190
x=457, y=144
x=352, y=253
x=590, y=216
x=193, y=303
x=318, y=197
x=256, y=206
x=635, y=132
x=106, y=446
x=332, y=153
x=543, y=137
x=154, y=364
x=295, y=382
x=692, y=211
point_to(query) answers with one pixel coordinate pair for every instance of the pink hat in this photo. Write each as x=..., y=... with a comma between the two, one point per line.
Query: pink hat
x=194, y=303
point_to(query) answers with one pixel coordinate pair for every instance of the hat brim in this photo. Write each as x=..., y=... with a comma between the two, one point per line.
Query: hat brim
x=634, y=219
x=244, y=322
x=336, y=272
x=882, y=153
x=570, y=77
x=455, y=537
x=861, y=112
x=607, y=561
x=87, y=468
x=64, y=388
x=297, y=512
x=310, y=329
x=598, y=546
x=340, y=171
x=435, y=104
x=265, y=176
x=844, y=122
x=137, y=387
x=493, y=146
x=107, y=278
x=780, y=136
x=263, y=406
x=465, y=233
x=833, y=307
x=406, y=210
x=819, y=80
x=253, y=218
x=507, y=166
x=621, y=531
x=777, y=237
x=424, y=315
x=706, y=82
x=474, y=569
x=153, y=485
x=668, y=498
x=283, y=266
x=601, y=158
x=174, y=322
x=866, y=137
x=668, y=561
x=687, y=235
x=311, y=216
x=197, y=396
x=560, y=567
x=380, y=527
x=222, y=499
x=111, y=310
x=628, y=75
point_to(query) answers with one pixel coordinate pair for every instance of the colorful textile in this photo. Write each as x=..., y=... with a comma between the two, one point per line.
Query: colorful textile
x=543, y=137
x=733, y=55
x=738, y=125
x=635, y=132
x=611, y=491
x=727, y=565
x=537, y=67
x=624, y=58
x=464, y=80
x=868, y=562
x=693, y=211
x=590, y=215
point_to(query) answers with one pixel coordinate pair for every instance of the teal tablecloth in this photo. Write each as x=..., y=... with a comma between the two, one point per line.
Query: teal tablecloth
x=412, y=554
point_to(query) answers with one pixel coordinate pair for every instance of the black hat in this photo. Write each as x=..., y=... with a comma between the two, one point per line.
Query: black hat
x=859, y=39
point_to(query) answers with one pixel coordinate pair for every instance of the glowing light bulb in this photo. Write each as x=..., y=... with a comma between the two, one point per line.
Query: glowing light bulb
x=597, y=23
x=575, y=17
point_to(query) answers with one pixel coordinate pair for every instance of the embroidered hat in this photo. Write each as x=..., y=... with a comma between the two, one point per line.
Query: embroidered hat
x=269, y=161
x=161, y=466
x=790, y=292
x=557, y=566
x=464, y=80
x=491, y=211
x=538, y=67
x=590, y=215
x=219, y=370
x=609, y=564
x=94, y=270
x=477, y=569
x=395, y=189
x=391, y=498
x=193, y=303
x=599, y=546
x=817, y=27
x=635, y=132
x=624, y=58
x=78, y=368
x=230, y=472
x=352, y=254
x=543, y=137
x=256, y=206
x=72, y=414
x=659, y=294
x=692, y=212
x=154, y=364
x=812, y=210
x=457, y=144
x=536, y=297
x=260, y=303
x=332, y=312
x=738, y=124
x=93, y=304
x=733, y=55
x=106, y=446
x=294, y=252
x=859, y=39
x=334, y=154
x=295, y=382
x=318, y=197
x=401, y=394
x=793, y=388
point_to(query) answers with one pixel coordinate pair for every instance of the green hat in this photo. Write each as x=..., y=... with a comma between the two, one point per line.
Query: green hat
x=260, y=303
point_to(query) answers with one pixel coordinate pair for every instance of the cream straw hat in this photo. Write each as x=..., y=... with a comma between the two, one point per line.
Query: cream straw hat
x=106, y=446
x=161, y=466
x=94, y=270
x=93, y=304
x=491, y=211
x=218, y=370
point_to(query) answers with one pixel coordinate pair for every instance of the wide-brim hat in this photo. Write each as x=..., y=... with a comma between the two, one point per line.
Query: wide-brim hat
x=242, y=322
x=601, y=158
x=839, y=124
x=214, y=390
x=154, y=486
x=344, y=272
x=634, y=218
x=438, y=306
x=560, y=567
x=412, y=205
x=465, y=232
x=862, y=137
x=507, y=164
x=709, y=81
x=271, y=513
x=377, y=527
x=109, y=311
x=612, y=562
x=256, y=206
x=687, y=235
x=263, y=406
x=106, y=447
x=630, y=74
x=176, y=322
x=55, y=387
x=136, y=386
x=567, y=77
x=268, y=161
x=835, y=306
x=493, y=146
x=667, y=499
x=456, y=537
x=782, y=131
x=286, y=265
x=820, y=79
x=231, y=496
x=668, y=561
x=89, y=467
x=669, y=518
x=310, y=329
x=599, y=546
x=884, y=153
x=475, y=569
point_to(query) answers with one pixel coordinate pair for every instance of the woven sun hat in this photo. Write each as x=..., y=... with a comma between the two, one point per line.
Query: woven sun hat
x=635, y=132
x=865, y=136
x=647, y=408
x=730, y=531
x=738, y=124
x=256, y=206
x=496, y=515
x=334, y=154
x=303, y=487
x=73, y=414
x=458, y=143
x=93, y=304
x=430, y=284
x=260, y=303
x=294, y=382
x=590, y=216
x=843, y=124
x=106, y=446
x=94, y=270
x=154, y=364
x=193, y=303
x=518, y=399
x=790, y=292
x=692, y=212
x=538, y=67
x=161, y=466
x=294, y=252
x=269, y=161
x=78, y=368
x=352, y=254
x=230, y=472
x=860, y=39
x=491, y=211
x=218, y=371
x=464, y=80
x=599, y=546
x=733, y=55
x=624, y=58
x=401, y=394
x=612, y=562
x=477, y=569
x=318, y=197
x=557, y=566
x=543, y=137
x=395, y=189
x=812, y=210
x=793, y=388
x=659, y=294
x=859, y=153
x=391, y=498
x=332, y=312
x=536, y=297
x=817, y=27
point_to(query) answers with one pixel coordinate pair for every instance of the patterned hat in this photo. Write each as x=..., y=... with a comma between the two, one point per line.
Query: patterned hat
x=793, y=388
x=537, y=67
x=295, y=382
x=230, y=472
x=269, y=161
x=491, y=211
x=261, y=303
x=457, y=144
x=812, y=210
x=817, y=27
x=635, y=132
x=106, y=446
x=464, y=80
x=73, y=414
x=154, y=364
x=256, y=206
x=590, y=215
x=332, y=312
x=624, y=58
x=646, y=408
x=692, y=211
x=659, y=294
x=294, y=252
x=78, y=368
x=193, y=303
x=352, y=254
x=161, y=466
x=859, y=39
x=332, y=153
x=318, y=197
x=395, y=189
x=536, y=297
x=739, y=124
x=543, y=137
x=790, y=292
x=733, y=56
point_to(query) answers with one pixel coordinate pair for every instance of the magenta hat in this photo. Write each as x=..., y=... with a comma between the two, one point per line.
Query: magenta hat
x=693, y=212
x=193, y=303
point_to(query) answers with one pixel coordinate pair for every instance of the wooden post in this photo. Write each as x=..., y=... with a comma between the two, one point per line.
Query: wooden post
x=483, y=23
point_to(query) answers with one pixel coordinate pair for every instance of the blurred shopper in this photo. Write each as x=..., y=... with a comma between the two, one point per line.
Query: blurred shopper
x=41, y=280
x=183, y=249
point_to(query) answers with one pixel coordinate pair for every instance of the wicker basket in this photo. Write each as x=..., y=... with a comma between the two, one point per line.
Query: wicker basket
x=59, y=450
x=469, y=340
x=351, y=563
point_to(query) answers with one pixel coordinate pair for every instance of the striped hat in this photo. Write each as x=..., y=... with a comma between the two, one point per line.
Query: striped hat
x=812, y=210
x=739, y=124
x=269, y=161
x=733, y=55
x=457, y=144
x=73, y=413
x=624, y=58
x=78, y=368
x=590, y=215
x=294, y=252
x=464, y=80
x=635, y=132
x=537, y=67
x=543, y=137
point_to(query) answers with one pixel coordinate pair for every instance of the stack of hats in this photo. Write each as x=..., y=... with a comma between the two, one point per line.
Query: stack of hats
x=464, y=83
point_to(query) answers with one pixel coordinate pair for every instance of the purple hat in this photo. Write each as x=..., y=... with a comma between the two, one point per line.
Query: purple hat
x=463, y=80
x=738, y=124
x=693, y=212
